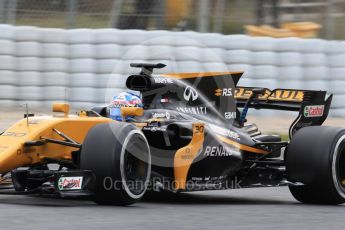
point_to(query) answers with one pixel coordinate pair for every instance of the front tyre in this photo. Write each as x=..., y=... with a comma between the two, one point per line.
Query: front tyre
x=316, y=158
x=119, y=156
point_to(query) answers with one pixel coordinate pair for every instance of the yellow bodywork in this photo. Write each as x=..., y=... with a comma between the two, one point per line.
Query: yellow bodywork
x=185, y=156
x=14, y=154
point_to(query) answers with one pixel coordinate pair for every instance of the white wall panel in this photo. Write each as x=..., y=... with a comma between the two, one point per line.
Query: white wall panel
x=81, y=51
x=7, y=32
x=7, y=62
x=28, y=33
x=52, y=35
x=29, y=78
x=82, y=80
x=89, y=66
x=8, y=92
x=55, y=79
x=84, y=65
x=28, y=64
x=7, y=47
x=81, y=36
x=28, y=49
x=55, y=65
x=8, y=77
x=55, y=50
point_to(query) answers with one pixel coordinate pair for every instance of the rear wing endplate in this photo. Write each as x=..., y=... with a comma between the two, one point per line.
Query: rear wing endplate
x=313, y=106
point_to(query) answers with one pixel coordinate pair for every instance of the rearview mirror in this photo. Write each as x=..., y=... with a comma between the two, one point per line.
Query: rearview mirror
x=61, y=108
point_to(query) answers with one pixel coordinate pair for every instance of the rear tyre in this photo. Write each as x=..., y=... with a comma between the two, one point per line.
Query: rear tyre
x=119, y=156
x=316, y=158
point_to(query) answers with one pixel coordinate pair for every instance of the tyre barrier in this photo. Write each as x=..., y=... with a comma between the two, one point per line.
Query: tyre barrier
x=84, y=62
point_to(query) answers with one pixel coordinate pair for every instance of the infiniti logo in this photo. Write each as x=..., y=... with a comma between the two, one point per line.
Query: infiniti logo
x=190, y=93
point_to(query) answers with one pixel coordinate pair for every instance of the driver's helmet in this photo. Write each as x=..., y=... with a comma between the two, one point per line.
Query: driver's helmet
x=124, y=99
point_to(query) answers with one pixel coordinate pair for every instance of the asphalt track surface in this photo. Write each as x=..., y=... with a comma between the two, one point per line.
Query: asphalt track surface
x=264, y=208
x=259, y=208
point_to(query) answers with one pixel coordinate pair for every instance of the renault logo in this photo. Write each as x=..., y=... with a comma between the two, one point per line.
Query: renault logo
x=190, y=93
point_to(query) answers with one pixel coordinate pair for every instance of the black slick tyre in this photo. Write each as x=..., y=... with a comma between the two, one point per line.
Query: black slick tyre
x=119, y=156
x=315, y=157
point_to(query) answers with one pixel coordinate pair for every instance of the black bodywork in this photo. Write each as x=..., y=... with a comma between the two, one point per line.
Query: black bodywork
x=234, y=154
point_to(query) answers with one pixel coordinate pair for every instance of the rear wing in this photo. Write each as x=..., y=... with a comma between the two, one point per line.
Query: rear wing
x=280, y=99
x=313, y=106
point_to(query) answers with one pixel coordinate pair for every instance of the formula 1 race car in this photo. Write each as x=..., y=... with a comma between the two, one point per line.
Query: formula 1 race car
x=190, y=135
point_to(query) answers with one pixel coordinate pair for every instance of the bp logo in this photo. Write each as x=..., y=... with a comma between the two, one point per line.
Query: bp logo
x=314, y=111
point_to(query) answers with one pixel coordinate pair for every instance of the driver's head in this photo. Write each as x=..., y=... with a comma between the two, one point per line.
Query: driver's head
x=124, y=99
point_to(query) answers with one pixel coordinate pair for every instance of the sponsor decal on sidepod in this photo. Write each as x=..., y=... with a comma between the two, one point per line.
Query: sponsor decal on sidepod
x=225, y=92
x=165, y=115
x=70, y=183
x=161, y=80
x=314, y=111
x=190, y=94
x=218, y=151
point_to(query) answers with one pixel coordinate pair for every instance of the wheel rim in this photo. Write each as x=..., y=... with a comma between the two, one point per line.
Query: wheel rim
x=338, y=167
x=135, y=164
x=341, y=167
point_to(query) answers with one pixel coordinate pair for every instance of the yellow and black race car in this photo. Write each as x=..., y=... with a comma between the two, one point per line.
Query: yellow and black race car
x=191, y=134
